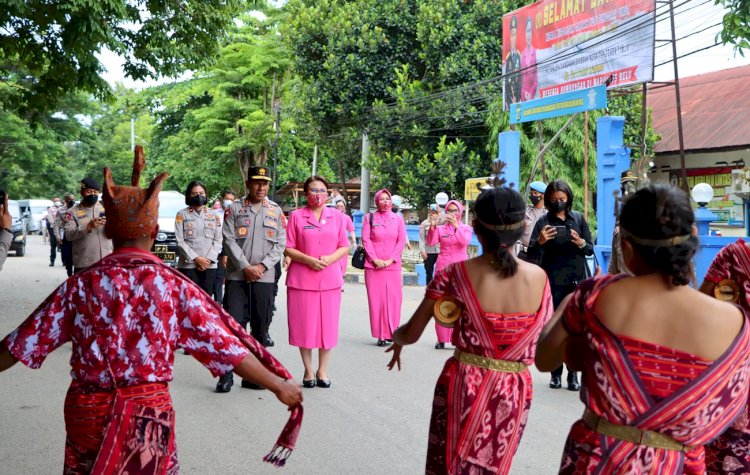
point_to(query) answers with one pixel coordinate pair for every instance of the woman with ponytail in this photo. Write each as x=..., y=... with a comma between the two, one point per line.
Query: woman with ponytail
x=483, y=396
x=453, y=237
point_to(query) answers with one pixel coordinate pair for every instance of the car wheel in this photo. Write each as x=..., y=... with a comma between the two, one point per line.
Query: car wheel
x=21, y=251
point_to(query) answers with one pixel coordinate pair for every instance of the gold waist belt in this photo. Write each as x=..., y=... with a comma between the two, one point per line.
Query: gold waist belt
x=488, y=363
x=635, y=435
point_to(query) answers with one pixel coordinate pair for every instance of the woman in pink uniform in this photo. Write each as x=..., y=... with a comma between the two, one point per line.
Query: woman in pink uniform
x=384, y=242
x=341, y=206
x=315, y=241
x=454, y=237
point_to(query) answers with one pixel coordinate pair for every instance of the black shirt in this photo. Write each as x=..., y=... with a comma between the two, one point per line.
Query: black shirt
x=564, y=262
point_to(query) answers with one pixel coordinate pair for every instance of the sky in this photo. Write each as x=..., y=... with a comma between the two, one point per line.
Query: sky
x=692, y=16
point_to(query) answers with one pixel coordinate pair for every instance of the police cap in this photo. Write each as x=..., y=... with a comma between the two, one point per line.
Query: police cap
x=258, y=173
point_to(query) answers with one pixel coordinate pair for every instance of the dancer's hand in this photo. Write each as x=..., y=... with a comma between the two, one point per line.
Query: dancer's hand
x=289, y=393
x=396, y=358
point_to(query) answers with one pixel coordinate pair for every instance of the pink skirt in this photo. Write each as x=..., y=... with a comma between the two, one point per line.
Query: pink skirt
x=313, y=317
x=384, y=297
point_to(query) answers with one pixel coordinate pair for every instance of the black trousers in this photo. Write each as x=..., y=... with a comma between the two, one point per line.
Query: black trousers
x=250, y=302
x=66, y=254
x=559, y=292
x=277, y=269
x=204, y=279
x=218, y=291
x=52, y=246
x=429, y=265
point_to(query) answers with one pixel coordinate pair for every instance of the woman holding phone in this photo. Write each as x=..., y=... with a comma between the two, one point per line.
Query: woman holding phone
x=560, y=241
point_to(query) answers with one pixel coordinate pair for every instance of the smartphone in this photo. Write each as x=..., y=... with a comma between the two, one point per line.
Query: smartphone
x=2, y=196
x=563, y=233
x=102, y=215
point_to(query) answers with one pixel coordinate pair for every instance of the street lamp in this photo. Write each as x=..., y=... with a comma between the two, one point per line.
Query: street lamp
x=441, y=198
x=702, y=194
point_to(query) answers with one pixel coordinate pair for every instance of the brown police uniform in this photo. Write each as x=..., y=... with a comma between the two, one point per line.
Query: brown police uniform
x=88, y=246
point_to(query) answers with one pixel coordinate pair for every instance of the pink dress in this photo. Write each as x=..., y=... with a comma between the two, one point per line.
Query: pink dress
x=529, y=74
x=453, y=245
x=314, y=297
x=349, y=229
x=384, y=240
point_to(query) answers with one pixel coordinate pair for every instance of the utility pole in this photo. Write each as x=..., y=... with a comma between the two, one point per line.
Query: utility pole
x=315, y=160
x=364, y=194
x=277, y=126
x=684, y=184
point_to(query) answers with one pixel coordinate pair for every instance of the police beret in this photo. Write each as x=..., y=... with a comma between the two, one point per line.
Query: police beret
x=88, y=182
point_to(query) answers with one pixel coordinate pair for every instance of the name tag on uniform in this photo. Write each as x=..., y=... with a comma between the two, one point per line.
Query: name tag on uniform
x=309, y=227
x=81, y=213
x=269, y=222
x=242, y=231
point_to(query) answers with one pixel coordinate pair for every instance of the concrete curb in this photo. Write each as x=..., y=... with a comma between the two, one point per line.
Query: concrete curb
x=353, y=277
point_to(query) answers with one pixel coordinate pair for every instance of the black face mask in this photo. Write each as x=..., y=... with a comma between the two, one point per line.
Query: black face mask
x=90, y=200
x=557, y=206
x=70, y=203
x=535, y=199
x=198, y=200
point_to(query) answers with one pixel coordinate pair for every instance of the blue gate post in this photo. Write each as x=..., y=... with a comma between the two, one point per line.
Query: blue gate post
x=509, y=151
x=611, y=160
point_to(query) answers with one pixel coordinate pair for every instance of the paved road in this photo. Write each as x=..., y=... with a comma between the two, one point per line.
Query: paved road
x=369, y=422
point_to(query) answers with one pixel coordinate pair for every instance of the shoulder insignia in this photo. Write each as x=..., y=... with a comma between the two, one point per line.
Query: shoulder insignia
x=283, y=219
x=68, y=216
x=179, y=218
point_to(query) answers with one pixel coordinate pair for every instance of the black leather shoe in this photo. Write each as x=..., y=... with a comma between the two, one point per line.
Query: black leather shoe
x=382, y=343
x=573, y=384
x=324, y=383
x=250, y=385
x=439, y=346
x=267, y=341
x=308, y=383
x=225, y=383
x=555, y=382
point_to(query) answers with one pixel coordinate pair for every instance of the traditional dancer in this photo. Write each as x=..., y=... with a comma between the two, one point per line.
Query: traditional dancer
x=483, y=395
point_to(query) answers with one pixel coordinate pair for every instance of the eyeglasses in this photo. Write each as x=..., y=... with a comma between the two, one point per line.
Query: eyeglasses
x=454, y=211
x=318, y=191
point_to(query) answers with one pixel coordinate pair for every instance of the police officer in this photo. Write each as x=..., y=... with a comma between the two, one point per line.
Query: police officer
x=628, y=186
x=64, y=245
x=534, y=211
x=227, y=198
x=84, y=227
x=197, y=231
x=254, y=241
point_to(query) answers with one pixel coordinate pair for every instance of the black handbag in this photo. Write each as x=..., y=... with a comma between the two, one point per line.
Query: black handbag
x=359, y=256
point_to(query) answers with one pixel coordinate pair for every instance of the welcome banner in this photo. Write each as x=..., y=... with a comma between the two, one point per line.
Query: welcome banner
x=556, y=46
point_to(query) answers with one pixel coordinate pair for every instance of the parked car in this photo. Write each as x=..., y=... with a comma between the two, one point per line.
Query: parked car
x=18, y=244
x=165, y=246
x=36, y=209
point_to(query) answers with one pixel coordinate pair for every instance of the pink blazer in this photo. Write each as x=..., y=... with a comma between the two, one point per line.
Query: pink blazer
x=453, y=243
x=385, y=239
x=315, y=238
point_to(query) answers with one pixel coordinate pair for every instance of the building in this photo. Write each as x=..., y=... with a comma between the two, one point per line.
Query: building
x=716, y=125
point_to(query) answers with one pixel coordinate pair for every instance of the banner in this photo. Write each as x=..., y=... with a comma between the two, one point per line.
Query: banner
x=556, y=46
x=562, y=104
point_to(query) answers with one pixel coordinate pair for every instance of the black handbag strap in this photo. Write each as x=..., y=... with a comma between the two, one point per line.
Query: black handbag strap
x=360, y=239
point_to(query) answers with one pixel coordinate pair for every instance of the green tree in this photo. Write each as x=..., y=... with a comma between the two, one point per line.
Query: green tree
x=50, y=48
x=736, y=21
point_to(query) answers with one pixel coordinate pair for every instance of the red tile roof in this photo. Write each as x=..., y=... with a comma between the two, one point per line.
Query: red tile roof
x=715, y=111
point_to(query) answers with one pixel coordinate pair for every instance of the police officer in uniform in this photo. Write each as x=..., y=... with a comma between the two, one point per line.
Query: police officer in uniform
x=197, y=231
x=534, y=211
x=254, y=241
x=84, y=227
x=512, y=67
x=628, y=186
x=64, y=245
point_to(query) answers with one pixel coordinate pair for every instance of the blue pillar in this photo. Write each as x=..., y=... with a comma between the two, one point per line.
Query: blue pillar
x=357, y=221
x=703, y=217
x=612, y=158
x=509, y=151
